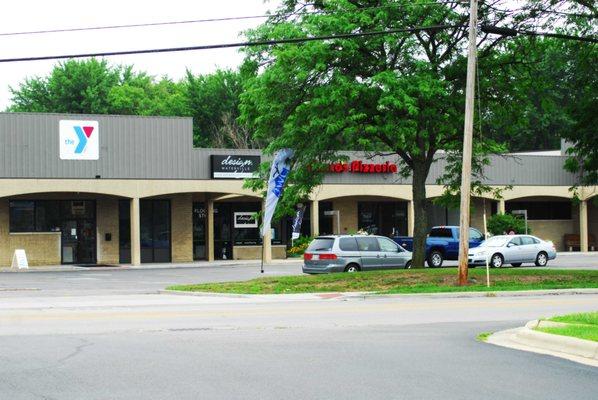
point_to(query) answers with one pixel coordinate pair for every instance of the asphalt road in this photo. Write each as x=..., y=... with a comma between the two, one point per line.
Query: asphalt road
x=186, y=347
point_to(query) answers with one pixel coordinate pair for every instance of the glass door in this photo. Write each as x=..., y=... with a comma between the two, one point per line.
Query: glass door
x=199, y=231
x=78, y=241
x=155, y=230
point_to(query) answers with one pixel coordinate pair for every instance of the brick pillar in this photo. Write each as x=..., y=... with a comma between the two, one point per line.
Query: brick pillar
x=583, y=225
x=315, y=218
x=135, y=233
x=501, y=206
x=182, y=227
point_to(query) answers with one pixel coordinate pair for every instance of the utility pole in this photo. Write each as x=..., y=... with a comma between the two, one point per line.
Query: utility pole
x=467, y=139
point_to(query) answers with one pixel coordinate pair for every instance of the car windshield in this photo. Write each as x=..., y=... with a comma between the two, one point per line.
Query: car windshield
x=321, y=244
x=497, y=241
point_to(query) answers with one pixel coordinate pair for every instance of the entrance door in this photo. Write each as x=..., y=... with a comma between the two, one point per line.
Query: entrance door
x=78, y=241
x=199, y=231
x=155, y=230
x=223, y=245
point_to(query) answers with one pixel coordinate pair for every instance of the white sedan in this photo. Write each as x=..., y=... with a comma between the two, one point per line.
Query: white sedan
x=512, y=249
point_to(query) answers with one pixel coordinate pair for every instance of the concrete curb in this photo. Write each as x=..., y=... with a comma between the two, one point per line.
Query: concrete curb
x=366, y=295
x=528, y=339
x=506, y=293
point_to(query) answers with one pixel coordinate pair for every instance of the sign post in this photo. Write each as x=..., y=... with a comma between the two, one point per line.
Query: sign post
x=19, y=260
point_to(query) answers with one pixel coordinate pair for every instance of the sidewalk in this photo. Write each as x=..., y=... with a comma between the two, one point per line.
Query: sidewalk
x=195, y=264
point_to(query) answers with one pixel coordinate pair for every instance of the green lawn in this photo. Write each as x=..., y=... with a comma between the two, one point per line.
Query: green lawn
x=406, y=281
x=582, y=326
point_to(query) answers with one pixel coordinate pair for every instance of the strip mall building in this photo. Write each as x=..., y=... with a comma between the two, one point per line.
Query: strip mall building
x=97, y=189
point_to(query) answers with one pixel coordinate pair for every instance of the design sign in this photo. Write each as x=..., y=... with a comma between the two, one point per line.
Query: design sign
x=245, y=220
x=79, y=140
x=234, y=167
x=359, y=167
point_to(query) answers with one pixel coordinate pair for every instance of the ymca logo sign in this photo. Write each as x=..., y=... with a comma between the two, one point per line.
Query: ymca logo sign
x=79, y=140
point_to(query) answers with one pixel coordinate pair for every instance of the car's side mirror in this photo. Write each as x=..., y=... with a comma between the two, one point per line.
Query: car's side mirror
x=511, y=245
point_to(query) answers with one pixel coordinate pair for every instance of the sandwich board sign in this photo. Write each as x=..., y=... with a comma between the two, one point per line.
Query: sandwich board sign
x=19, y=260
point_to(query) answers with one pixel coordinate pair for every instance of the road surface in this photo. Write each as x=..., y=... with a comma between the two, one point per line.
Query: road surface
x=158, y=346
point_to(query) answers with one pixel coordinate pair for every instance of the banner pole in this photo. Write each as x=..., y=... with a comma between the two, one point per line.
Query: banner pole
x=262, y=263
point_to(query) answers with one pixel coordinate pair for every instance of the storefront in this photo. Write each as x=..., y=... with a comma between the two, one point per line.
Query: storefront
x=139, y=193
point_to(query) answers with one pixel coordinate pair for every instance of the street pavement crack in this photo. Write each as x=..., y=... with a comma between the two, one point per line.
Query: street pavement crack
x=78, y=350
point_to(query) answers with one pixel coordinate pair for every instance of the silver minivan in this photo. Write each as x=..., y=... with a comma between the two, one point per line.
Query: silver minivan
x=352, y=253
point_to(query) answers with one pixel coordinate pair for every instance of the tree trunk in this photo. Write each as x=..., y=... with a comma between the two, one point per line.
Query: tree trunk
x=420, y=216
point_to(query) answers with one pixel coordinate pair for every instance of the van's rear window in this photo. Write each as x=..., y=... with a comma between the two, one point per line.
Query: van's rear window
x=321, y=244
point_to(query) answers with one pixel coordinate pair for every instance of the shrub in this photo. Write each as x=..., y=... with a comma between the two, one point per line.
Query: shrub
x=500, y=224
x=299, y=246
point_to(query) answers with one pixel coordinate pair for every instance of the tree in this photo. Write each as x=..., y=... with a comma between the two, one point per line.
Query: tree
x=73, y=87
x=214, y=99
x=393, y=94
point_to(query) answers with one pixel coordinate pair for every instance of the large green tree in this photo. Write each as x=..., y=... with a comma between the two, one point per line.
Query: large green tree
x=72, y=86
x=399, y=93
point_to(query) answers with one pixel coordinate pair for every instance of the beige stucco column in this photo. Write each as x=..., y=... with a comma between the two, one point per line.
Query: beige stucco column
x=267, y=249
x=410, y=218
x=135, y=232
x=315, y=218
x=583, y=225
x=501, y=206
x=267, y=240
x=209, y=228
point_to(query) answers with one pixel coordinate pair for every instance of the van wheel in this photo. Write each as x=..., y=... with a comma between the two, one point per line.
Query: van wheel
x=352, y=268
x=408, y=265
x=541, y=259
x=516, y=264
x=435, y=259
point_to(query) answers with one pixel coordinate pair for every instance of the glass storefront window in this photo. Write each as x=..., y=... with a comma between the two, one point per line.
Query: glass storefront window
x=22, y=216
x=386, y=218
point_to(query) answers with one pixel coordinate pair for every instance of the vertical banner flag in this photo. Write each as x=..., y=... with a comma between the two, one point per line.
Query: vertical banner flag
x=297, y=221
x=278, y=175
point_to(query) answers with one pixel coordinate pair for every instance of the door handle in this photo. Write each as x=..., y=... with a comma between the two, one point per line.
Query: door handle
x=384, y=255
x=377, y=255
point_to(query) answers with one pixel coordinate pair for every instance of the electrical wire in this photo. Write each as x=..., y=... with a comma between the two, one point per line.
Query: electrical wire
x=196, y=21
x=232, y=45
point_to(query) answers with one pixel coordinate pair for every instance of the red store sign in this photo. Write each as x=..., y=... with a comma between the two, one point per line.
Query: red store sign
x=359, y=167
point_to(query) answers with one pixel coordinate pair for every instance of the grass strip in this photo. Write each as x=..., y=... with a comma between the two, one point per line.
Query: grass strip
x=587, y=332
x=590, y=318
x=406, y=281
x=580, y=325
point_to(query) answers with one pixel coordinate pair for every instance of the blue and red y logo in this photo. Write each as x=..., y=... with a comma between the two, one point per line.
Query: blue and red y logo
x=83, y=133
x=79, y=140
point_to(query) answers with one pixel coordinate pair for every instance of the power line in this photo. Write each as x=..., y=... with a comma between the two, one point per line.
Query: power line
x=97, y=28
x=232, y=45
x=503, y=31
x=205, y=20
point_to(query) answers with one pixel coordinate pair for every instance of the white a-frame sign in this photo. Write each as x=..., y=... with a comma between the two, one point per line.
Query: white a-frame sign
x=19, y=260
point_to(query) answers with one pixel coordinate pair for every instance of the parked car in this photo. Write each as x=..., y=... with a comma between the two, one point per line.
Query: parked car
x=442, y=243
x=512, y=249
x=352, y=253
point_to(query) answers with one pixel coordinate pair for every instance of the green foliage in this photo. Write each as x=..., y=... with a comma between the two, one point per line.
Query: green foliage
x=299, y=246
x=500, y=224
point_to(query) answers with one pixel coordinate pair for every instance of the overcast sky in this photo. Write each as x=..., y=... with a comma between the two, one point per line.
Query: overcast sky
x=30, y=15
